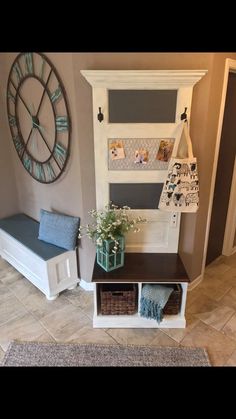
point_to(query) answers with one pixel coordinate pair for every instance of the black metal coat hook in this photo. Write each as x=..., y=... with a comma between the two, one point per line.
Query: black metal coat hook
x=184, y=115
x=100, y=115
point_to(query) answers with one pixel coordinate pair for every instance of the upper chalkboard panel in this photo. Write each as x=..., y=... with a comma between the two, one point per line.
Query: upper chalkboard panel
x=142, y=106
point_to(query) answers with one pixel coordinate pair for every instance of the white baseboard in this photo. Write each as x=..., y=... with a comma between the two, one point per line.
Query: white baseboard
x=87, y=286
x=195, y=283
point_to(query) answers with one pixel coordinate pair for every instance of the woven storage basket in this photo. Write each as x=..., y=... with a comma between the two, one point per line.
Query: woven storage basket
x=174, y=303
x=118, y=298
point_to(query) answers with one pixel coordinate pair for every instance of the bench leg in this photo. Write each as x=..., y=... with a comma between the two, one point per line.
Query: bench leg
x=73, y=287
x=53, y=297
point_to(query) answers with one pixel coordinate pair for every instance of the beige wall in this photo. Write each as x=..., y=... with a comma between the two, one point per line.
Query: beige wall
x=74, y=192
x=8, y=191
x=63, y=195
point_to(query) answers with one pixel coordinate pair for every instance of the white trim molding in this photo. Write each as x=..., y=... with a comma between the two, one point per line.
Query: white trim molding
x=193, y=284
x=142, y=78
x=230, y=228
x=87, y=286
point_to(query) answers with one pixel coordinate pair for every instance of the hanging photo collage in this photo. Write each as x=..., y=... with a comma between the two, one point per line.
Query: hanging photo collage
x=139, y=153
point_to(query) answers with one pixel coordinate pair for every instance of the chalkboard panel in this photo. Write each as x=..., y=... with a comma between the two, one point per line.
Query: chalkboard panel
x=136, y=195
x=142, y=106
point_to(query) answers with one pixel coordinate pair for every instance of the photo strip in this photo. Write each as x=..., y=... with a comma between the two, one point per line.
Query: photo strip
x=116, y=150
x=141, y=156
x=165, y=150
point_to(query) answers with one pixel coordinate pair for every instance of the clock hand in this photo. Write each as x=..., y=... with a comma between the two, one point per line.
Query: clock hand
x=41, y=128
x=21, y=98
x=32, y=109
x=44, y=91
x=26, y=143
x=34, y=141
x=59, y=153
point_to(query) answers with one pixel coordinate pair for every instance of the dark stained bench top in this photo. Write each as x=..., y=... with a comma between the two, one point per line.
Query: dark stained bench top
x=26, y=230
x=145, y=267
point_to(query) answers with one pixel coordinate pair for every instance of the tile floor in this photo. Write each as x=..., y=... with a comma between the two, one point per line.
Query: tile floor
x=25, y=314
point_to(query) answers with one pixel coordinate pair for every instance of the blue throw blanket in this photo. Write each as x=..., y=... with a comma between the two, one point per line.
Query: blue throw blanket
x=153, y=299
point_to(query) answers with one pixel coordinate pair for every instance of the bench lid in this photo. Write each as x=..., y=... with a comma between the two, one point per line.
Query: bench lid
x=26, y=230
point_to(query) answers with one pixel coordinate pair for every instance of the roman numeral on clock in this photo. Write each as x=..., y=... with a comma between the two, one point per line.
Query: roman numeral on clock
x=61, y=123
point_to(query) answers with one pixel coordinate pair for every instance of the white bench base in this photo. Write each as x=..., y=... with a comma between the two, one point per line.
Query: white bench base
x=51, y=276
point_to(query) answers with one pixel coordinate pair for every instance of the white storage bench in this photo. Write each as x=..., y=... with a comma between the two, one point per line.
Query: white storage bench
x=112, y=291
x=50, y=268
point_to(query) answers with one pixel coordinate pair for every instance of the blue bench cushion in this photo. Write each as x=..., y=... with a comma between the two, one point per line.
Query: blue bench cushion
x=26, y=231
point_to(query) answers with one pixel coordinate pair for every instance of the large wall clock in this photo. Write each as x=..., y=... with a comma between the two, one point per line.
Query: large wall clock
x=38, y=116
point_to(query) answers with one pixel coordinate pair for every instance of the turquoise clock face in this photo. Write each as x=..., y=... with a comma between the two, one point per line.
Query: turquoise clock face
x=38, y=116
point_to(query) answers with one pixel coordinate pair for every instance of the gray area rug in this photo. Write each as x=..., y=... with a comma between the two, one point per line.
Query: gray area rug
x=92, y=355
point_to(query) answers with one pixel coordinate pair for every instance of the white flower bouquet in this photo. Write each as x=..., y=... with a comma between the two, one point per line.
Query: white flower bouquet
x=109, y=224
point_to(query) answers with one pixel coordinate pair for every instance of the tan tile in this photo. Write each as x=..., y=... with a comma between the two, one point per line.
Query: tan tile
x=229, y=299
x=202, y=304
x=4, y=264
x=24, y=328
x=4, y=293
x=193, y=295
x=214, y=288
x=162, y=339
x=217, y=268
x=2, y=353
x=224, y=259
x=228, y=277
x=64, y=324
x=6, y=269
x=44, y=337
x=218, y=346
x=232, y=360
x=40, y=307
x=231, y=261
x=10, y=308
x=9, y=275
x=208, y=277
x=22, y=287
x=135, y=336
x=81, y=299
x=35, y=301
x=179, y=334
x=87, y=334
x=218, y=317
x=230, y=327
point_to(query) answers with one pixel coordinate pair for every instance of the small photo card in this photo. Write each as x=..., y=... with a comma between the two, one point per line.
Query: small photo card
x=165, y=150
x=116, y=150
x=141, y=156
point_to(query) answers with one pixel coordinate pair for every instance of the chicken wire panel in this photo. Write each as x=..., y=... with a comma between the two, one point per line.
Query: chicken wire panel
x=131, y=146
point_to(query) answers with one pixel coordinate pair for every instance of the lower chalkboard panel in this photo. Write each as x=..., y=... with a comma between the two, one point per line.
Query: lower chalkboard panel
x=136, y=195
